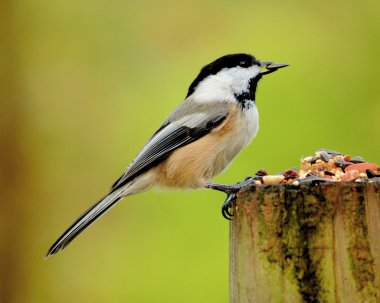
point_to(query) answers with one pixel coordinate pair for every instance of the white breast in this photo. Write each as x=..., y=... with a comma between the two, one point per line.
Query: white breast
x=243, y=132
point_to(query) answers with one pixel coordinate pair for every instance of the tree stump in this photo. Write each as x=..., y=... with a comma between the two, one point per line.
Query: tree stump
x=316, y=242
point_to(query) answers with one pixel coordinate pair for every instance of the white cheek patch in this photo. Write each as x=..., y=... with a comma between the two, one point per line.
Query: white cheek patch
x=225, y=84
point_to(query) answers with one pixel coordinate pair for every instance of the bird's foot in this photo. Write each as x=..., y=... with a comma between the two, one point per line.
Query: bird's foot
x=228, y=205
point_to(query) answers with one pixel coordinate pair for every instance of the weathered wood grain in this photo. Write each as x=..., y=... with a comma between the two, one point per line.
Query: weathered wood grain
x=311, y=243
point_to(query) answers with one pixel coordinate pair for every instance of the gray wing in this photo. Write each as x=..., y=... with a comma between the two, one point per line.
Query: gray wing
x=182, y=127
x=186, y=124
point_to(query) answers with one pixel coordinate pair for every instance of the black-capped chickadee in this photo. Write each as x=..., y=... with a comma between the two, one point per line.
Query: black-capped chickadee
x=198, y=140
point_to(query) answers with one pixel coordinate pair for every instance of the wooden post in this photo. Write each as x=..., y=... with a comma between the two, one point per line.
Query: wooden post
x=308, y=243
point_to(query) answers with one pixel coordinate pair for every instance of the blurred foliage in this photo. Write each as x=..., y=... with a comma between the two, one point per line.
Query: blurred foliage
x=85, y=83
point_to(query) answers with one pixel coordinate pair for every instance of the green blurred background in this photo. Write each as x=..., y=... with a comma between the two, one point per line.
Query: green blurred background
x=85, y=83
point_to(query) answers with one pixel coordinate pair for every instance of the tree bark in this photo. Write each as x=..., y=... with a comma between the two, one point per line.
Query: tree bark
x=307, y=243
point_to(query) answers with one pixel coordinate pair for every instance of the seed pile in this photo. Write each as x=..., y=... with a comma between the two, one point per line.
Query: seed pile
x=325, y=166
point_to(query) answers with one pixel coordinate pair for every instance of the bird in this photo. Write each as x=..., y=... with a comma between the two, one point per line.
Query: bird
x=196, y=142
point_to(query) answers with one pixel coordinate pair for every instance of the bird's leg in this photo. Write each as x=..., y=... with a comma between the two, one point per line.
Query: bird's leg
x=230, y=191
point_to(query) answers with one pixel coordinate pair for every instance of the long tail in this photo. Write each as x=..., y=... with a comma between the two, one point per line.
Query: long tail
x=92, y=214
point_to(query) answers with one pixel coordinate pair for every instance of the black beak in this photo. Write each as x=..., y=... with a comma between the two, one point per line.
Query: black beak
x=271, y=67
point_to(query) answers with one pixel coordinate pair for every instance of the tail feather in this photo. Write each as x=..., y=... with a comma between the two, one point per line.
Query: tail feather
x=88, y=217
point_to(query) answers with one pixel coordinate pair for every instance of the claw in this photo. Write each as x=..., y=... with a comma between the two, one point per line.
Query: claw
x=226, y=215
x=227, y=205
x=231, y=191
x=227, y=211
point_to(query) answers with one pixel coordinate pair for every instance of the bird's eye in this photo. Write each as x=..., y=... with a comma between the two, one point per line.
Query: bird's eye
x=244, y=63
